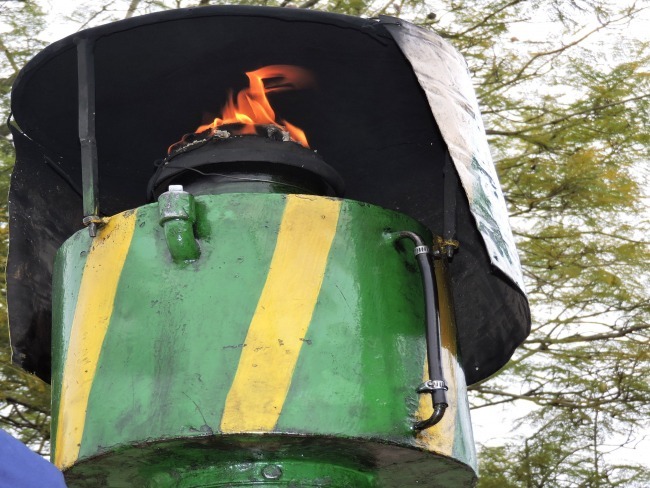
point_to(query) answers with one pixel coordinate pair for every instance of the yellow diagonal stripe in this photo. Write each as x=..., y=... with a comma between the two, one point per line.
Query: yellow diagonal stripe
x=92, y=314
x=283, y=314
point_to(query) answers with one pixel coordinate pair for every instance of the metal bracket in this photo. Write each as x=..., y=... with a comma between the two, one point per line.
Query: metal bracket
x=446, y=247
x=93, y=222
x=450, y=190
x=86, y=94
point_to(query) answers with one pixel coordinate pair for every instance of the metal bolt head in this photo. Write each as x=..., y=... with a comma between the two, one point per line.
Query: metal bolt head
x=272, y=472
x=175, y=188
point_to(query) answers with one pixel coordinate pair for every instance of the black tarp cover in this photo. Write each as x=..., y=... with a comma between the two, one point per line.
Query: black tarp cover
x=158, y=76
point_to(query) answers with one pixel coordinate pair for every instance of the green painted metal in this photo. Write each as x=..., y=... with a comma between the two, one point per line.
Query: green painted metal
x=177, y=331
x=66, y=278
x=241, y=461
x=178, y=216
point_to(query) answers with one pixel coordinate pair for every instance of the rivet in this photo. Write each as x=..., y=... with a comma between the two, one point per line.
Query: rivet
x=272, y=472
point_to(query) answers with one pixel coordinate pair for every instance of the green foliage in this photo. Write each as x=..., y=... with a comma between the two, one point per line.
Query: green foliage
x=568, y=120
x=568, y=116
x=24, y=399
x=535, y=464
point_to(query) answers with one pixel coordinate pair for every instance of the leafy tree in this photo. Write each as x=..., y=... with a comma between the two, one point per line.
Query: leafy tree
x=568, y=117
x=24, y=399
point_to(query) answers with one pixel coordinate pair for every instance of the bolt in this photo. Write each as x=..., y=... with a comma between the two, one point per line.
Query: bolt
x=272, y=472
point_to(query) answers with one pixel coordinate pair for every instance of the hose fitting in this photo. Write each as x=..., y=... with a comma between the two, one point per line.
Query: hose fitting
x=177, y=216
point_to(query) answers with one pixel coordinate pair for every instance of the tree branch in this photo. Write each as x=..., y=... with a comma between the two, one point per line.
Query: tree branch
x=491, y=15
x=566, y=117
x=593, y=337
x=309, y=3
x=131, y=10
x=10, y=57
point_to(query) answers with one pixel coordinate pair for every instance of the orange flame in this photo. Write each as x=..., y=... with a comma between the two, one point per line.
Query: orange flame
x=252, y=107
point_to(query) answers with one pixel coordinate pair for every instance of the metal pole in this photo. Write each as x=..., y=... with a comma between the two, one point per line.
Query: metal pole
x=449, y=244
x=86, y=88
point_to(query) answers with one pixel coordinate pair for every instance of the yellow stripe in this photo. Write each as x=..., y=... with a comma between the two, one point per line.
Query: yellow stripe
x=92, y=315
x=440, y=437
x=283, y=314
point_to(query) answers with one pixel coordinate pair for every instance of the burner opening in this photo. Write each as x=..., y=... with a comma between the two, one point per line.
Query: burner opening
x=268, y=161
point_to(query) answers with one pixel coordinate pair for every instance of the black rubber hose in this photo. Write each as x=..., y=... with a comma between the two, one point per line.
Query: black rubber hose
x=438, y=413
x=436, y=384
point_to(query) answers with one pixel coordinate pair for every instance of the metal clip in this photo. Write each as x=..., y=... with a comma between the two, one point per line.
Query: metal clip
x=447, y=247
x=430, y=386
x=421, y=250
x=93, y=222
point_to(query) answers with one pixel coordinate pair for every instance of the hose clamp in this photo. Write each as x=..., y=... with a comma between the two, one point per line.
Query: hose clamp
x=421, y=250
x=430, y=386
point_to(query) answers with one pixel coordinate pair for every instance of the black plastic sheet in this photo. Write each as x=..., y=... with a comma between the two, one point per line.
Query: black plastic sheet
x=159, y=76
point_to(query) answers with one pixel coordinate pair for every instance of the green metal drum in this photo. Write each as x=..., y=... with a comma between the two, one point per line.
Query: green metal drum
x=286, y=351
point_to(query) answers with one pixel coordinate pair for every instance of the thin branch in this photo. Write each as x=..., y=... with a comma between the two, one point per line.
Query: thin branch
x=132, y=8
x=309, y=4
x=104, y=8
x=592, y=338
x=10, y=57
x=485, y=19
x=566, y=117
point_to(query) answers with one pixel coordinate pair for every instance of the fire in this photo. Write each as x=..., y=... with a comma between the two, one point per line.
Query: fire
x=251, y=106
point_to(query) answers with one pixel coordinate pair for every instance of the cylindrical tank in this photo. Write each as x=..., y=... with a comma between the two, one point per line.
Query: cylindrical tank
x=317, y=281
x=287, y=354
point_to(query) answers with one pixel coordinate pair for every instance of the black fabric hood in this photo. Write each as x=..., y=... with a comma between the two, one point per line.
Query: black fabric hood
x=159, y=76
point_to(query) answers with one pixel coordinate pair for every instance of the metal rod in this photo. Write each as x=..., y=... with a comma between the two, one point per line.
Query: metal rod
x=449, y=208
x=86, y=90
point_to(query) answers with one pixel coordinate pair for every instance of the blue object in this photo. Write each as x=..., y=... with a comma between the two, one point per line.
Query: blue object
x=22, y=468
